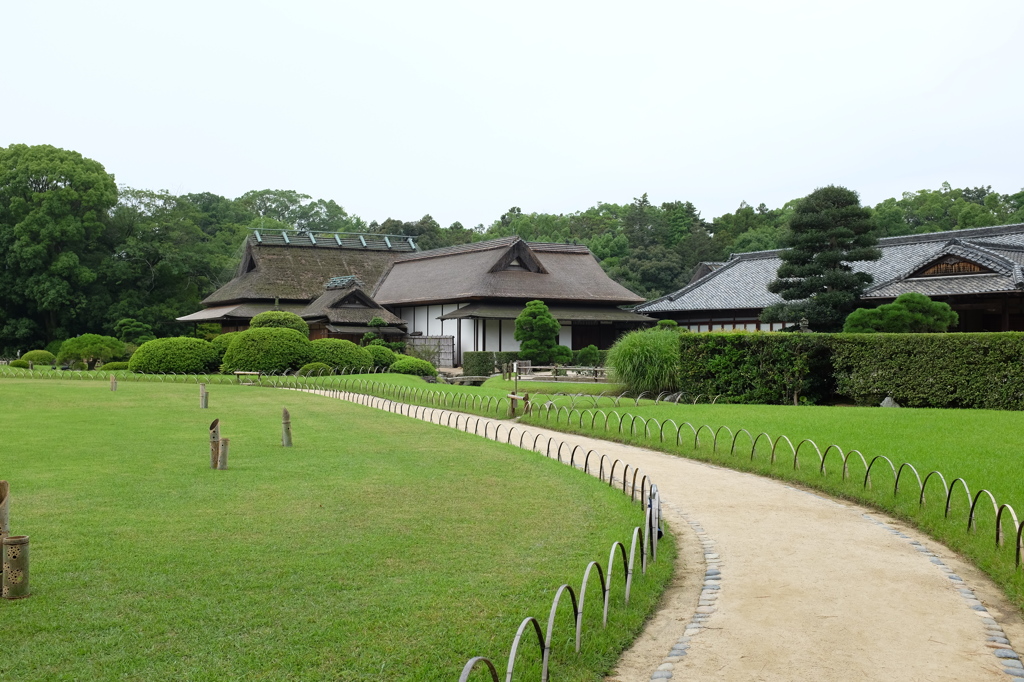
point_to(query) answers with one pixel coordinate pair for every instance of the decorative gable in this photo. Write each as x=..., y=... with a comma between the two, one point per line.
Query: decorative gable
x=357, y=299
x=951, y=265
x=518, y=258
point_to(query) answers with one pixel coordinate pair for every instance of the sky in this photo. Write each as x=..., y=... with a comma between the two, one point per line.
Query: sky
x=462, y=110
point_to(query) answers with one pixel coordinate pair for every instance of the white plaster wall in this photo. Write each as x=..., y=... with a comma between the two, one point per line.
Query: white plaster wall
x=490, y=335
x=565, y=336
x=508, y=330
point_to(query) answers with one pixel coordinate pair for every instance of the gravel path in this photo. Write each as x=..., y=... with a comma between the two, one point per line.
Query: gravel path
x=779, y=583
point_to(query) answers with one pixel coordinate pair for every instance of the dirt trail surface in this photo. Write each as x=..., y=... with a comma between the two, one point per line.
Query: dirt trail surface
x=779, y=583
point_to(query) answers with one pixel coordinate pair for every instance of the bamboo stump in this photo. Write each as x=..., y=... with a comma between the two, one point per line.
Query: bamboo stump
x=5, y=505
x=214, y=443
x=286, y=433
x=222, y=455
x=204, y=397
x=15, y=558
x=113, y=382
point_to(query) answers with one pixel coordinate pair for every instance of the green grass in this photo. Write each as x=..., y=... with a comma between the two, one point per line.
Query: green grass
x=377, y=546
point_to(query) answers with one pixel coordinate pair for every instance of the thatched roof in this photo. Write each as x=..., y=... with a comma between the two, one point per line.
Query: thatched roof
x=507, y=268
x=348, y=305
x=272, y=269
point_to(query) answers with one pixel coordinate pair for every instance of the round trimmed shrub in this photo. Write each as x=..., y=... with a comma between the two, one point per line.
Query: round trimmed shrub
x=39, y=357
x=341, y=354
x=315, y=369
x=409, y=365
x=382, y=356
x=222, y=341
x=589, y=356
x=20, y=364
x=280, y=318
x=177, y=355
x=114, y=366
x=267, y=349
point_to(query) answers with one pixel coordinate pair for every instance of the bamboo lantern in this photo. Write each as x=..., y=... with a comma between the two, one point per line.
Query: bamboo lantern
x=214, y=443
x=222, y=455
x=5, y=506
x=286, y=434
x=15, y=578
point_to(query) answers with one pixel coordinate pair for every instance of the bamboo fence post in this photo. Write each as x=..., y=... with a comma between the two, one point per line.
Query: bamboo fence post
x=204, y=397
x=214, y=443
x=15, y=565
x=222, y=455
x=5, y=506
x=286, y=434
x=113, y=382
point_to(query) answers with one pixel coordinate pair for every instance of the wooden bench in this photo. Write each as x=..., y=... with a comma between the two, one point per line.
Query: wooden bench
x=241, y=374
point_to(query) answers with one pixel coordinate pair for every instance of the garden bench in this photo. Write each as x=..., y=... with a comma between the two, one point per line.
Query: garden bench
x=241, y=374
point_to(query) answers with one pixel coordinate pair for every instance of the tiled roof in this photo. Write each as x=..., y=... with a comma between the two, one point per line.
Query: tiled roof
x=568, y=273
x=742, y=283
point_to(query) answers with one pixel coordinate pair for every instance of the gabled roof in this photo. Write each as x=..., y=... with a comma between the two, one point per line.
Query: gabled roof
x=272, y=269
x=347, y=305
x=742, y=283
x=507, y=268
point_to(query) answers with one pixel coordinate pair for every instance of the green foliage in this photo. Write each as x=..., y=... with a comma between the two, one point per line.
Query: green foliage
x=396, y=346
x=668, y=324
x=130, y=330
x=588, y=356
x=19, y=363
x=114, y=366
x=382, y=357
x=646, y=360
x=561, y=355
x=39, y=357
x=376, y=322
x=910, y=313
x=79, y=366
x=931, y=370
x=537, y=333
x=315, y=369
x=340, y=354
x=267, y=349
x=222, y=341
x=178, y=355
x=91, y=348
x=409, y=365
x=829, y=231
x=478, y=363
x=54, y=347
x=757, y=367
x=280, y=319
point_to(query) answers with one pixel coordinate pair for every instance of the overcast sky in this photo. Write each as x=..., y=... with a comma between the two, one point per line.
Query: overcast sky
x=463, y=109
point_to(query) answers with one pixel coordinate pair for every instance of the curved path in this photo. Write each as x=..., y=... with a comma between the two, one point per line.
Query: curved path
x=779, y=583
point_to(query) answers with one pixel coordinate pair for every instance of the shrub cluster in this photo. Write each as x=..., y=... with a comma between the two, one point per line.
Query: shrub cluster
x=315, y=369
x=381, y=355
x=340, y=353
x=409, y=365
x=19, y=363
x=178, y=355
x=265, y=349
x=114, y=366
x=39, y=357
x=279, y=319
x=222, y=341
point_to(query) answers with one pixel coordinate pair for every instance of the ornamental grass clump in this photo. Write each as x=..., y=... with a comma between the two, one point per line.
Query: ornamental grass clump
x=646, y=361
x=274, y=349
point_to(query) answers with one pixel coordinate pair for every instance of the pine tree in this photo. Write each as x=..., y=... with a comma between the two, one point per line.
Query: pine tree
x=537, y=333
x=829, y=232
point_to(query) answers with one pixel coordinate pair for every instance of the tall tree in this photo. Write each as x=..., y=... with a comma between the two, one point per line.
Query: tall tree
x=829, y=232
x=52, y=206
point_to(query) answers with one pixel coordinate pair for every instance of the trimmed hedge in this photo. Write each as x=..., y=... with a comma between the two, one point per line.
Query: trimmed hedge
x=477, y=363
x=114, y=366
x=756, y=367
x=931, y=370
x=39, y=357
x=315, y=369
x=277, y=319
x=19, y=363
x=222, y=341
x=382, y=356
x=409, y=365
x=267, y=349
x=178, y=355
x=340, y=353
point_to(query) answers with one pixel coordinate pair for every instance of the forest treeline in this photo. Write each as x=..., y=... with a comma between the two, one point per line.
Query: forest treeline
x=78, y=252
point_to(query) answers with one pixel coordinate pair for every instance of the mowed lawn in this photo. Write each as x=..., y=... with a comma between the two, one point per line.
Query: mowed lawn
x=378, y=547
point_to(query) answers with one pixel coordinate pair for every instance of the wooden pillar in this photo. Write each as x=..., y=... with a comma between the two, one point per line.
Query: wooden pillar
x=214, y=443
x=5, y=507
x=222, y=455
x=286, y=433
